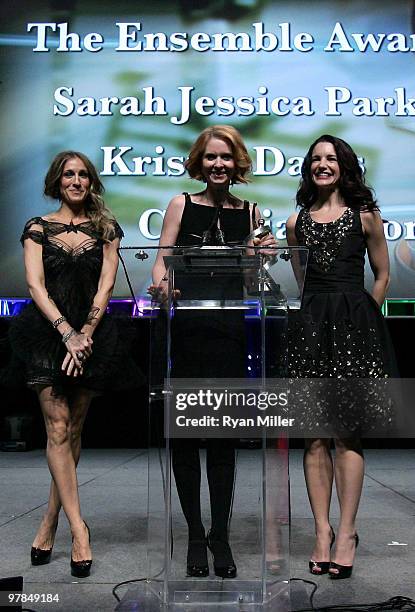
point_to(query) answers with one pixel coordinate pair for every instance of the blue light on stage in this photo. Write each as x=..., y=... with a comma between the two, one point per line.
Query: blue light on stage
x=10, y=307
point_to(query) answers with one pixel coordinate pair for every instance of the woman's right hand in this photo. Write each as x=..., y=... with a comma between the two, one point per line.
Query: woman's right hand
x=159, y=292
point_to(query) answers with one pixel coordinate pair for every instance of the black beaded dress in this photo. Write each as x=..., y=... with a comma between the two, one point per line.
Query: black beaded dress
x=71, y=279
x=340, y=331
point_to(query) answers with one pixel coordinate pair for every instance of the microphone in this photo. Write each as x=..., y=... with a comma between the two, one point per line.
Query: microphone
x=214, y=236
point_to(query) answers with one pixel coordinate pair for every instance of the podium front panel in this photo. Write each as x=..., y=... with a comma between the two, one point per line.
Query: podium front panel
x=221, y=316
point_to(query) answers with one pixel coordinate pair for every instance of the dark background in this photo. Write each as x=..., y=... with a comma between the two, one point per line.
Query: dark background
x=121, y=420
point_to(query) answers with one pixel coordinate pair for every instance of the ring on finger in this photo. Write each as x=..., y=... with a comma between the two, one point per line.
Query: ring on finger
x=80, y=356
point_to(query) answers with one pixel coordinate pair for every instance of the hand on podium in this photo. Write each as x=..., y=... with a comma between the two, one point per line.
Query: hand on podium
x=159, y=293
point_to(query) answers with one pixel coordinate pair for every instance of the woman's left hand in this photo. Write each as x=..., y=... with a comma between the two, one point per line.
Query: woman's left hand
x=267, y=240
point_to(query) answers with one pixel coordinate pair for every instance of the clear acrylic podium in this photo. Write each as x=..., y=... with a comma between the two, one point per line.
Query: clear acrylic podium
x=251, y=294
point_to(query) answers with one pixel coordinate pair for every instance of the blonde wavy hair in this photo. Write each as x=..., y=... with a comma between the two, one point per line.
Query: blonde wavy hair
x=232, y=137
x=95, y=209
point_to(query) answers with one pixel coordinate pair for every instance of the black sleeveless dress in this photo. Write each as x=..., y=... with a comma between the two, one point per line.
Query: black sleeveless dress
x=71, y=279
x=340, y=331
x=210, y=344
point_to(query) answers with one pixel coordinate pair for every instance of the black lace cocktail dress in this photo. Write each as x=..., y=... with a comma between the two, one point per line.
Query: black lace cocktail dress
x=71, y=279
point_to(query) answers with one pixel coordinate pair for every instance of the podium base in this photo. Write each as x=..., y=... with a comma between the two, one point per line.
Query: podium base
x=218, y=595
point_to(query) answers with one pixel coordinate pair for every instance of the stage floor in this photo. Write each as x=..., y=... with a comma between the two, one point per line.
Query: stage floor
x=113, y=488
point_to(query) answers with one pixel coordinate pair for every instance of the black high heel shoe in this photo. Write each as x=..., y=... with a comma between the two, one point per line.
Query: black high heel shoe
x=343, y=571
x=40, y=556
x=223, y=562
x=317, y=568
x=197, y=561
x=81, y=569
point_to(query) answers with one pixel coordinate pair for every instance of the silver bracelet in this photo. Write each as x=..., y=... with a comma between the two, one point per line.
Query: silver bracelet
x=68, y=335
x=57, y=322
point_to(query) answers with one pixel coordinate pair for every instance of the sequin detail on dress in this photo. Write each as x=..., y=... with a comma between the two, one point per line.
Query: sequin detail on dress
x=339, y=333
x=325, y=239
x=335, y=350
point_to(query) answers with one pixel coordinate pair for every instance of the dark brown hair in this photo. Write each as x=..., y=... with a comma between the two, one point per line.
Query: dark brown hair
x=353, y=189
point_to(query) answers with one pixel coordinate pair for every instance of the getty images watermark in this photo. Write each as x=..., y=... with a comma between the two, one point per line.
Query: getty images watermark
x=222, y=402
x=240, y=408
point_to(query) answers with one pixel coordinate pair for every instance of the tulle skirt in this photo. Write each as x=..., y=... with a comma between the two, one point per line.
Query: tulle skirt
x=36, y=352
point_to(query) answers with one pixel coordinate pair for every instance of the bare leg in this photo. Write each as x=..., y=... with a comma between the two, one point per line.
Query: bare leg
x=79, y=405
x=318, y=471
x=349, y=471
x=63, y=448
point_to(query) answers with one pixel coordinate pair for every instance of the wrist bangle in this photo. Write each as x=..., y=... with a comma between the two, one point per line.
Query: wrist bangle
x=68, y=335
x=57, y=322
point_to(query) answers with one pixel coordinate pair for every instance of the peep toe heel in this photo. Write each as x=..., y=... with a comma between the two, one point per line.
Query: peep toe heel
x=343, y=571
x=318, y=568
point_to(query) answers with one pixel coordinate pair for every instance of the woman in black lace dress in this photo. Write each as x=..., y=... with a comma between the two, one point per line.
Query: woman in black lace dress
x=208, y=344
x=340, y=331
x=62, y=343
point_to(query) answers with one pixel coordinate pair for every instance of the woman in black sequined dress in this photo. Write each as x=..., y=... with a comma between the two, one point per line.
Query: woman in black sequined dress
x=208, y=344
x=63, y=344
x=340, y=331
